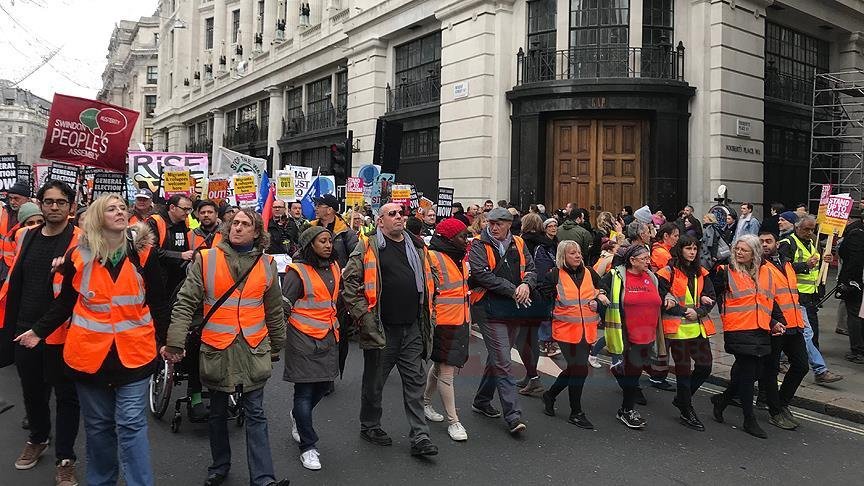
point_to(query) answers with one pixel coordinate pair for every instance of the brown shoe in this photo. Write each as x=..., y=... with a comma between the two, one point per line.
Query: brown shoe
x=827, y=377
x=66, y=474
x=30, y=455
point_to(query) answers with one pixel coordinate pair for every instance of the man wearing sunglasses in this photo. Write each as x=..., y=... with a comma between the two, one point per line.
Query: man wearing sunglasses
x=389, y=288
x=170, y=229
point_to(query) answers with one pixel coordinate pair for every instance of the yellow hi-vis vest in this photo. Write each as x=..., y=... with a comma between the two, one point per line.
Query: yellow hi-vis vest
x=807, y=282
x=614, y=332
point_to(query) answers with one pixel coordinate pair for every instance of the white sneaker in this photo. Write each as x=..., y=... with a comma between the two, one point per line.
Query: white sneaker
x=294, y=433
x=594, y=362
x=431, y=414
x=457, y=432
x=310, y=460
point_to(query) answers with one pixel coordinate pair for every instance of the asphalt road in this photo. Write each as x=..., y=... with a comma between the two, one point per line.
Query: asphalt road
x=552, y=451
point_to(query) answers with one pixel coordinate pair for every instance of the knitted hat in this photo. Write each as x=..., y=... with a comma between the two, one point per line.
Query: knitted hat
x=28, y=210
x=309, y=235
x=20, y=188
x=450, y=227
x=643, y=215
x=548, y=222
x=789, y=216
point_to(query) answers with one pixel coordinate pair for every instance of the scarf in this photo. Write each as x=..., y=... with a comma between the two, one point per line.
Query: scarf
x=413, y=258
x=502, y=245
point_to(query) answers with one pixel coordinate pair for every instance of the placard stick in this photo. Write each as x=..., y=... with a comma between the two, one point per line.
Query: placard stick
x=823, y=272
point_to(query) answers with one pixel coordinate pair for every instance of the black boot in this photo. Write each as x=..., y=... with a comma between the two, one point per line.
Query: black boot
x=548, y=404
x=689, y=418
x=720, y=402
x=751, y=426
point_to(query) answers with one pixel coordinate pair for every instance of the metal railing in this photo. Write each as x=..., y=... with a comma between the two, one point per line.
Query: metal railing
x=413, y=94
x=200, y=146
x=247, y=133
x=321, y=120
x=655, y=62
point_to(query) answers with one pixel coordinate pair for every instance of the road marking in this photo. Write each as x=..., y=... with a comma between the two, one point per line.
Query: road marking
x=549, y=367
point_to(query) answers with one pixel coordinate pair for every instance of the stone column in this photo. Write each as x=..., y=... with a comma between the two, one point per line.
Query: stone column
x=292, y=19
x=220, y=32
x=271, y=13
x=248, y=15
x=851, y=52
x=367, y=94
x=274, y=132
x=218, y=127
x=476, y=52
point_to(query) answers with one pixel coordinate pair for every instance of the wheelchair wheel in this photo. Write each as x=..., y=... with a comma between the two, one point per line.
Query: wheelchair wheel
x=161, y=384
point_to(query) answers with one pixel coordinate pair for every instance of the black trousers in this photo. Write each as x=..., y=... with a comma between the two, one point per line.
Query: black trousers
x=40, y=370
x=636, y=358
x=793, y=345
x=192, y=364
x=692, y=367
x=745, y=371
x=573, y=376
x=528, y=347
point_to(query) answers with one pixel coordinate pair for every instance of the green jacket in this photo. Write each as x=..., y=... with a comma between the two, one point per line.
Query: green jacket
x=571, y=230
x=238, y=364
x=371, y=331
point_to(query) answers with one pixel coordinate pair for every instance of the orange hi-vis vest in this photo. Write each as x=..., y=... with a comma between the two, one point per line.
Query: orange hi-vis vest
x=478, y=293
x=786, y=294
x=161, y=229
x=108, y=312
x=370, y=276
x=243, y=311
x=678, y=327
x=748, y=306
x=451, y=306
x=198, y=242
x=315, y=313
x=572, y=319
x=7, y=237
x=660, y=256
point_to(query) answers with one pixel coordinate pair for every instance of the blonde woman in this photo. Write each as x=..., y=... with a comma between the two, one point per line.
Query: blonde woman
x=479, y=224
x=608, y=229
x=113, y=291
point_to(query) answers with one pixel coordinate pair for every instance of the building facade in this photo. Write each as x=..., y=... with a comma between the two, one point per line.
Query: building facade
x=605, y=103
x=131, y=74
x=23, y=120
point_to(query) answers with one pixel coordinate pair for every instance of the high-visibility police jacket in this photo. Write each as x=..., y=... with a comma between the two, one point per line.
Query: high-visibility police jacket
x=7, y=235
x=614, y=331
x=572, y=318
x=198, y=240
x=478, y=293
x=660, y=256
x=786, y=293
x=108, y=312
x=678, y=327
x=243, y=312
x=314, y=314
x=451, y=305
x=807, y=282
x=747, y=306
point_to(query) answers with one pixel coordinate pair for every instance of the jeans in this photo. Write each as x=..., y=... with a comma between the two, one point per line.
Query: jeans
x=115, y=421
x=498, y=337
x=792, y=345
x=306, y=396
x=636, y=358
x=257, y=439
x=810, y=301
x=689, y=378
x=544, y=332
x=404, y=350
x=31, y=365
x=817, y=362
x=528, y=346
x=745, y=371
x=573, y=376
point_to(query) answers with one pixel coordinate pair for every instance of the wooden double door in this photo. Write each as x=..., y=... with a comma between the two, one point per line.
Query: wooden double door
x=596, y=164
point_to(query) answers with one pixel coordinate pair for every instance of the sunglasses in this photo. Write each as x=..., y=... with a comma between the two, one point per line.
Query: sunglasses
x=394, y=212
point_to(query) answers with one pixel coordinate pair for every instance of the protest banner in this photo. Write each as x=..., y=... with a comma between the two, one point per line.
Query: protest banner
x=87, y=132
x=8, y=171
x=230, y=162
x=415, y=198
x=445, y=202
x=823, y=203
x=836, y=215
x=285, y=186
x=26, y=176
x=246, y=190
x=145, y=169
x=176, y=180
x=41, y=173
x=381, y=191
x=302, y=178
x=217, y=190
x=426, y=203
x=401, y=194
x=64, y=172
x=354, y=192
x=340, y=196
x=108, y=183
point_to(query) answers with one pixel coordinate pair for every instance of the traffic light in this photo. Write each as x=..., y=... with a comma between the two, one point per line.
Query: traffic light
x=340, y=159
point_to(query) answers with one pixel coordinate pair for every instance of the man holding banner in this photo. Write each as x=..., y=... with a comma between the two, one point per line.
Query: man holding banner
x=800, y=249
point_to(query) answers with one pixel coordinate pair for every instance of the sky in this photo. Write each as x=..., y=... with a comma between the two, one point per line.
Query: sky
x=81, y=29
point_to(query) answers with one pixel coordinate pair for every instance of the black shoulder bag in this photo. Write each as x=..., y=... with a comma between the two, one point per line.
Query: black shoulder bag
x=230, y=291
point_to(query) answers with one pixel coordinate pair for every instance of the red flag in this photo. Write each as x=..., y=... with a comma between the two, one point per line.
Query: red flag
x=267, y=212
x=87, y=132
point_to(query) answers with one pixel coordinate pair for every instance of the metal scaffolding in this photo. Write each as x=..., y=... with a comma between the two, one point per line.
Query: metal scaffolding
x=837, y=136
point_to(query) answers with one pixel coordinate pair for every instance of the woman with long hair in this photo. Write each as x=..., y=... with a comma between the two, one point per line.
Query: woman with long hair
x=113, y=291
x=745, y=290
x=479, y=224
x=665, y=239
x=574, y=289
x=686, y=325
x=607, y=229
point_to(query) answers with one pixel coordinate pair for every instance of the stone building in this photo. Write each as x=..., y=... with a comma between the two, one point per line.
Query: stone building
x=604, y=103
x=23, y=120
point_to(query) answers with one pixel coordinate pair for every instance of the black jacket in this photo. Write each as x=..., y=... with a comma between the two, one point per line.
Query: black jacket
x=279, y=234
x=755, y=342
x=851, y=252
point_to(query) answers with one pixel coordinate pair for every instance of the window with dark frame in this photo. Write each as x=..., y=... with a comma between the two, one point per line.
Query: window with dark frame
x=264, y=110
x=152, y=74
x=419, y=59
x=342, y=91
x=541, y=55
x=230, y=120
x=658, y=17
x=208, y=33
x=318, y=96
x=235, y=25
x=791, y=60
x=294, y=103
x=203, y=133
x=599, y=38
x=149, y=105
x=260, y=17
x=423, y=143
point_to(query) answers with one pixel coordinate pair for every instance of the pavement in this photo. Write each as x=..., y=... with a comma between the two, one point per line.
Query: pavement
x=551, y=451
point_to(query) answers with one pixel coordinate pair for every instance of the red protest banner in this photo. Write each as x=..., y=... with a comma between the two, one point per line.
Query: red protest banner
x=87, y=132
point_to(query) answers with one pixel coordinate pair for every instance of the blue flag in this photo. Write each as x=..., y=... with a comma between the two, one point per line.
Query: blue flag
x=263, y=191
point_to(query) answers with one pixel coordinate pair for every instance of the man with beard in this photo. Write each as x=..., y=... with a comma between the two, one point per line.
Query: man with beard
x=206, y=235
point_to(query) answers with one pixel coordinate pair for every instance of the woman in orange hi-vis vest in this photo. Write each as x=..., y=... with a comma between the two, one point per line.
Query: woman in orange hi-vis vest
x=112, y=289
x=689, y=295
x=574, y=287
x=746, y=290
x=666, y=238
x=310, y=291
x=451, y=334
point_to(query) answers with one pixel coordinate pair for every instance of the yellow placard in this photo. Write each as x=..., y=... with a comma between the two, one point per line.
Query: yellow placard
x=285, y=186
x=176, y=182
x=836, y=215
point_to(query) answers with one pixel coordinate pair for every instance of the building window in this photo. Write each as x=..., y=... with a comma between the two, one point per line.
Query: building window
x=203, y=131
x=342, y=91
x=190, y=133
x=149, y=105
x=20, y=129
x=541, y=24
x=419, y=59
x=235, y=25
x=294, y=103
x=260, y=16
x=208, y=33
x=230, y=119
x=264, y=110
x=318, y=96
x=599, y=22
x=791, y=59
x=420, y=143
x=248, y=115
x=152, y=74
x=148, y=137
x=316, y=158
x=657, y=22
